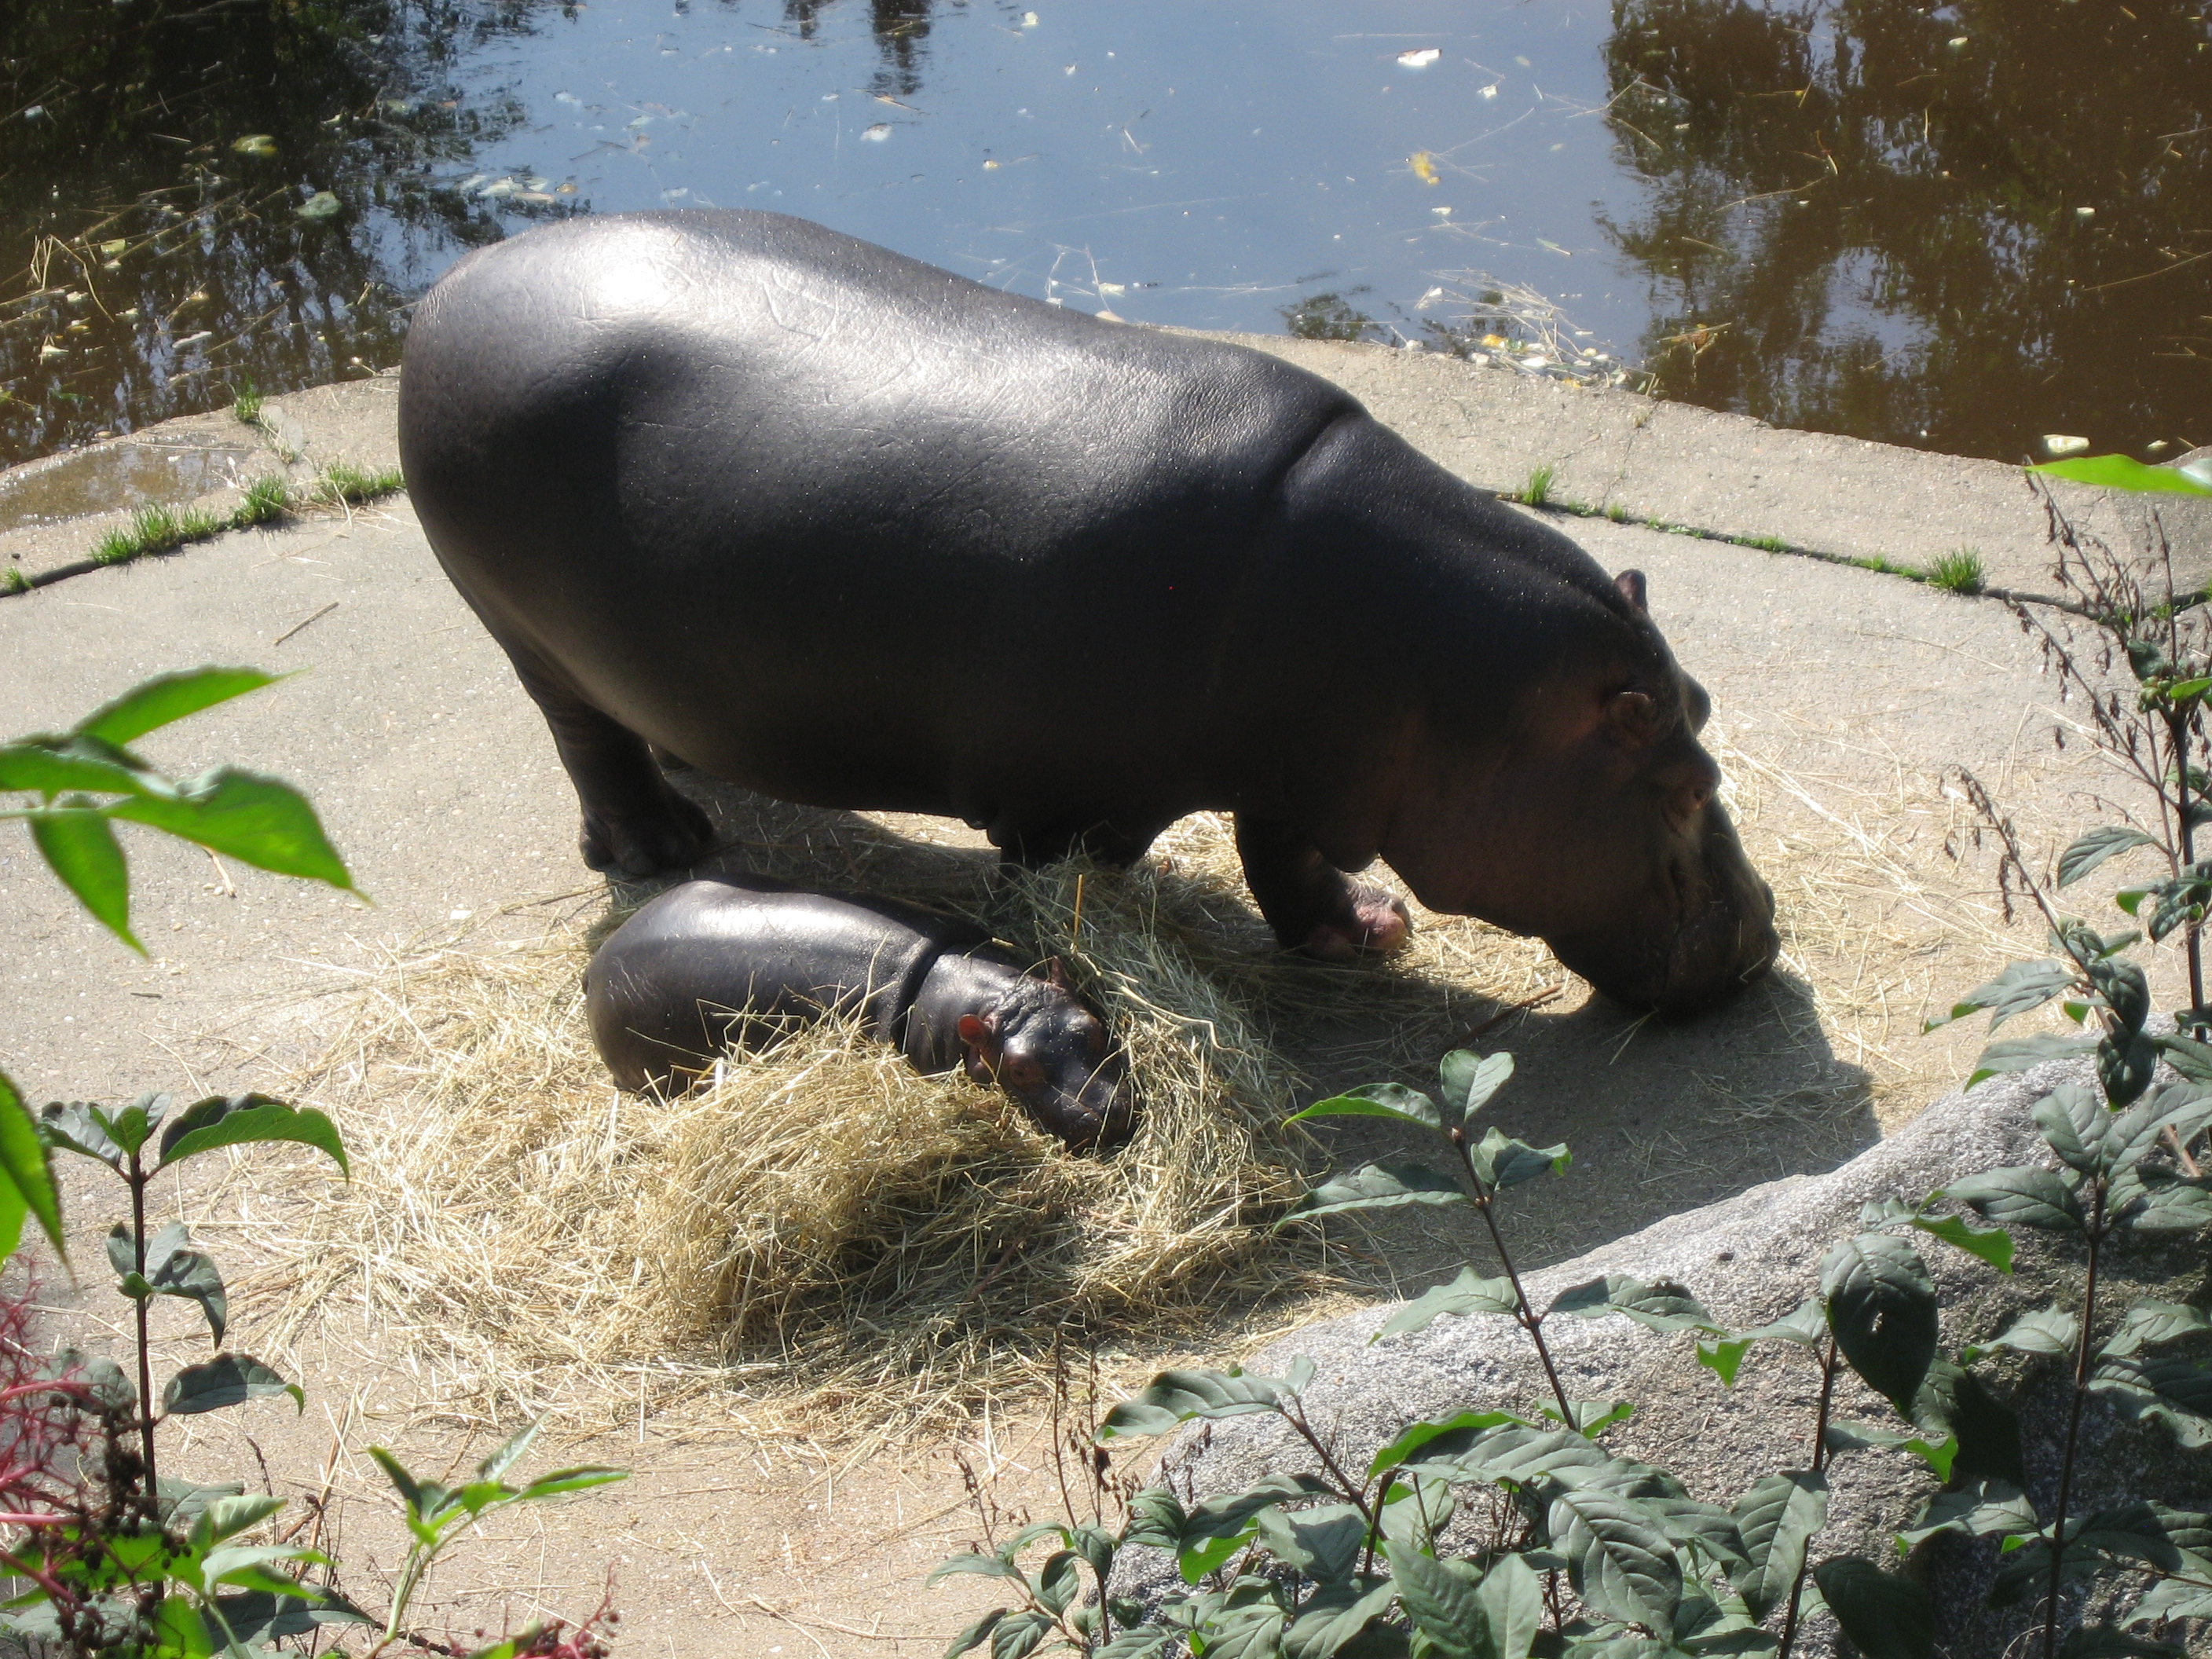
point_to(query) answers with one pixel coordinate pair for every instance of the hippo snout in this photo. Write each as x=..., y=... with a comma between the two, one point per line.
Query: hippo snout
x=1090, y=1111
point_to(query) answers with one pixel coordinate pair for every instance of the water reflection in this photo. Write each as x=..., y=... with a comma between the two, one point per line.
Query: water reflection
x=1954, y=227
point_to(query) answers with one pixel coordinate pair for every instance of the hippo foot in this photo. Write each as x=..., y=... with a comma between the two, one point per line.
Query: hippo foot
x=675, y=837
x=1368, y=920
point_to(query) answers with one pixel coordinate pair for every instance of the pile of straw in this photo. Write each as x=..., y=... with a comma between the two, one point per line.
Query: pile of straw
x=820, y=1228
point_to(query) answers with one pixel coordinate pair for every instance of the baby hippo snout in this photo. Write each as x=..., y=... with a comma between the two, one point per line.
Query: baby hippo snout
x=1043, y=1046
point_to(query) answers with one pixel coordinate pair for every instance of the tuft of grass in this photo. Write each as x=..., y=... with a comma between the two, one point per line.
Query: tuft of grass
x=245, y=405
x=344, y=484
x=14, y=581
x=1616, y=512
x=1538, y=490
x=1886, y=566
x=1959, y=571
x=155, y=529
x=266, y=498
x=1764, y=543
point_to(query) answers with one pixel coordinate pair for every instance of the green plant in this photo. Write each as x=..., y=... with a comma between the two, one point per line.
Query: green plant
x=343, y=484
x=246, y=404
x=14, y=581
x=1616, y=512
x=117, y=1561
x=1959, y=571
x=1764, y=543
x=1538, y=490
x=155, y=529
x=267, y=498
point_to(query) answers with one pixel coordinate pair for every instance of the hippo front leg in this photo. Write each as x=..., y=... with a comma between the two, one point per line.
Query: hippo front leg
x=635, y=823
x=1311, y=904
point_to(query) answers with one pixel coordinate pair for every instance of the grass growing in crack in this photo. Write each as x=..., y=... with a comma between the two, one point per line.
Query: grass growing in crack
x=345, y=484
x=1538, y=490
x=266, y=498
x=245, y=405
x=1959, y=571
x=1764, y=543
x=155, y=529
x=1617, y=512
x=14, y=581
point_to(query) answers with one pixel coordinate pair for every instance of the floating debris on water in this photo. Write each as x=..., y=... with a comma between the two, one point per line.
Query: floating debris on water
x=1425, y=166
x=2060, y=443
x=878, y=133
x=1420, y=59
x=322, y=205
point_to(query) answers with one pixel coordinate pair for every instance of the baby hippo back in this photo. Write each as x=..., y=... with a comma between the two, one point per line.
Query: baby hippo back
x=664, y=992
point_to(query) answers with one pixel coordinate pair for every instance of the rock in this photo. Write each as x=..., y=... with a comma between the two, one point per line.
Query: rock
x=2060, y=444
x=1750, y=1258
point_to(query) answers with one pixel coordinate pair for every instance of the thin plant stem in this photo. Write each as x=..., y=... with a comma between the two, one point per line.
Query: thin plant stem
x=2192, y=938
x=137, y=1179
x=1829, y=1366
x=2072, y=1424
x=1531, y=1321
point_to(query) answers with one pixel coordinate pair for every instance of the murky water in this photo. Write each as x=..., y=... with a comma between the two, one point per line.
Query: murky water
x=1957, y=227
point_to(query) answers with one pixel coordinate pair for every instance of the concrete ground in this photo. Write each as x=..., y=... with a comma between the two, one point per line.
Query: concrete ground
x=1841, y=697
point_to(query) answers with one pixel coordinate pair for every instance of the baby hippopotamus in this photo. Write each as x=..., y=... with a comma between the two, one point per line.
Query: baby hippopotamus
x=680, y=981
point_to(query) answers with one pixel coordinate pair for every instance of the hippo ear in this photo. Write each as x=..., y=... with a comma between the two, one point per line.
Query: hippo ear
x=1631, y=584
x=980, y=1032
x=1055, y=975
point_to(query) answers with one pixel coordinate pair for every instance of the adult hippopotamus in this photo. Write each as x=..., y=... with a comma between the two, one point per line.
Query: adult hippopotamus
x=854, y=531
x=703, y=966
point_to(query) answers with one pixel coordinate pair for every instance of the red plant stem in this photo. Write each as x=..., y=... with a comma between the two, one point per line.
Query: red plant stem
x=138, y=1179
x=2073, y=1425
x=1531, y=1321
x=2177, y=727
x=1828, y=1369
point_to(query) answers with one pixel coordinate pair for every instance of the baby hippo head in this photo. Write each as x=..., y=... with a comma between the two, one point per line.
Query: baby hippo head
x=1040, y=1044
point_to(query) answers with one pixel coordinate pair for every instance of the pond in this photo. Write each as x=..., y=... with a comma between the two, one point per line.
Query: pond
x=1958, y=228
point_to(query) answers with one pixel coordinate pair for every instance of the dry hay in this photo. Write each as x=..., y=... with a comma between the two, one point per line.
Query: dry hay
x=820, y=1226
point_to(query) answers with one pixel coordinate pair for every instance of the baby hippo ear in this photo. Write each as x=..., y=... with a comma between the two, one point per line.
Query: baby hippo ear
x=1055, y=975
x=980, y=1033
x=1631, y=584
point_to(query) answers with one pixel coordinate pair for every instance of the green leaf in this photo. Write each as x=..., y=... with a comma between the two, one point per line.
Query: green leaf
x=2126, y=1068
x=2094, y=848
x=2173, y=1598
x=78, y=1126
x=178, y=1631
x=1979, y=1435
x=1937, y=1449
x=1881, y=1310
x=1173, y=1397
x=2193, y=1060
x=256, y=1619
x=1324, y=1542
x=987, y=1566
x=1378, y=1186
x=581, y=1478
x=2151, y=1321
x=1225, y=1516
x=1515, y=1452
x=2120, y=472
x=257, y=820
x=1992, y=1244
x=1470, y=1293
x=1018, y=1635
x=1885, y=1616
x=1418, y=1509
x=1710, y=1527
x=54, y=766
x=2072, y=1122
x=1059, y=1580
x=2165, y=1388
x=1469, y=1080
x=1390, y=1100
x=1439, y=1436
x=1500, y=1161
x=976, y=1634
x=511, y=1451
x=1776, y=1517
x=1156, y=1519
x=1513, y=1598
x=228, y=1379
x=1806, y=1326
x=2019, y=1054
x=1981, y=1508
x=1333, y=1616
x=1619, y=1564
x=166, y=697
x=26, y=1175
x=2044, y=1330
x=1591, y=1418
x=2130, y=1136
x=2149, y=1199
x=1664, y=1306
x=2023, y=1196
x=1201, y=1556
x=2022, y=986
x=226, y=1517
x=1250, y=1630
x=2105, y=1642
x=81, y=850
x=194, y=1277
x=247, y=1119
x=1443, y=1600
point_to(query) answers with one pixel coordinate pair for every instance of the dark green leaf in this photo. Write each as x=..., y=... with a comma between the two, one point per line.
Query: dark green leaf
x=257, y=820
x=2018, y=1054
x=1149, y=1642
x=976, y=1634
x=1443, y=1600
x=194, y=1276
x=1518, y=1454
x=1501, y=1162
x=1664, y=1306
x=2152, y=1322
x=81, y=848
x=1981, y=1508
x=2021, y=987
x=245, y=1119
x=1225, y=1516
x=2094, y=848
x=1591, y=1418
x=1438, y=1437
x=73, y=1126
x=228, y=1379
x=2150, y=1200
x=2164, y=1388
x=1378, y=1186
x=2173, y=1598
x=2044, y=1330
x=2126, y=1067
x=1470, y=1293
x=1323, y=1542
x=1882, y=1308
x=1775, y=1517
x=1935, y=1448
x=1059, y=1580
x=166, y=697
x=1390, y=1100
x=26, y=1171
x=1334, y=1616
x=1174, y=1396
x=1980, y=1434
x=1806, y=1325
x=2193, y=1060
x=1156, y=1519
x=1469, y=1080
x=1619, y=1562
x=1992, y=1244
x=1252, y=1631
x=2130, y=1136
x=1886, y=1617
x=2105, y=1642
x=256, y=1618
x=1710, y=1528
x=1417, y=1509
x=1018, y=1635
x=1514, y=1599
x=2024, y=1196
x=975, y=1564
x=2072, y=1122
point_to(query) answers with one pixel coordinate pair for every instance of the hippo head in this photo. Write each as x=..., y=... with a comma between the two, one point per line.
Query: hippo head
x=1043, y=1046
x=1596, y=825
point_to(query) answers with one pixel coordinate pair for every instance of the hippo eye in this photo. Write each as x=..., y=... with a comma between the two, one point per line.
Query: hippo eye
x=1095, y=1036
x=1021, y=1071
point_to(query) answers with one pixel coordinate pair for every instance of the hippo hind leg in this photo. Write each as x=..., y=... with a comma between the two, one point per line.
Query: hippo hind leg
x=635, y=823
x=1312, y=905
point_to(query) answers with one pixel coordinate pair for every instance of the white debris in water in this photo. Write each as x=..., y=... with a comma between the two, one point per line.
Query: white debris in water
x=1489, y=91
x=1421, y=59
x=2058, y=443
x=878, y=133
